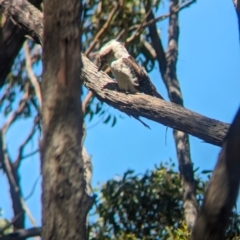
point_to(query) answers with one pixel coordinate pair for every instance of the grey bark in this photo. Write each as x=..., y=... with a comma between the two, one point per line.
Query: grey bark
x=65, y=203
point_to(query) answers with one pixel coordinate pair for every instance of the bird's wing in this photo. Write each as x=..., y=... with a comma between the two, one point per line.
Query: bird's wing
x=144, y=83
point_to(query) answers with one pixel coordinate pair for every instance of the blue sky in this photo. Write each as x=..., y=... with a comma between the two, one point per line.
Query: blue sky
x=208, y=71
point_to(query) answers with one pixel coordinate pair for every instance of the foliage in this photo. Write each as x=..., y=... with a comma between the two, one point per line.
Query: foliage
x=147, y=206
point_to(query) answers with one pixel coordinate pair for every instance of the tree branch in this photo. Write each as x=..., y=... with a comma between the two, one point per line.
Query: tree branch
x=23, y=233
x=13, y=179
x=32, y=77
x=33, y=26
x=168, y=114
x=13, y=38
x=16, y=163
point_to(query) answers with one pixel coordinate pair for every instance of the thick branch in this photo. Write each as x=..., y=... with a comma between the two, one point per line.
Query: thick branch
x=13, y=38
x=168, y=114
x=24, y=10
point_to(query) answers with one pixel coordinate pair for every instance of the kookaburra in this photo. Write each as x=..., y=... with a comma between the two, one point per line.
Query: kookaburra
x=131, y=77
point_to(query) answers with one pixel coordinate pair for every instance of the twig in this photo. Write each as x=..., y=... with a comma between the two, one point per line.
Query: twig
x=139, y=29
x=103, y=29
x=20, y=109
x=23, y=145
x=31, y=74
x=165, y=16
x=33, y=189
x=30, y=154
x=86, y=101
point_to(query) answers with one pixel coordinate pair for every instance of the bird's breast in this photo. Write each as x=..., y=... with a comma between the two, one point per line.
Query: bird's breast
x=124, y=76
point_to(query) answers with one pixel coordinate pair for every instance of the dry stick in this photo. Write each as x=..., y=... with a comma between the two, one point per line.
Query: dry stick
x=167, y=66
x=171, y=115
x=31, y=74
x=30, y=154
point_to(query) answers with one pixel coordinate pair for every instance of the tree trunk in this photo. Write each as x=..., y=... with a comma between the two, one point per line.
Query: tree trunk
x=64, y=199
x=168, y=69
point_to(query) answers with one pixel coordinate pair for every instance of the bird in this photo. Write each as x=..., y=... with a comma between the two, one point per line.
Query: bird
x=130, y=76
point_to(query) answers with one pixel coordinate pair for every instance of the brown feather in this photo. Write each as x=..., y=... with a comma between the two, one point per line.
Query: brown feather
x=144, y=83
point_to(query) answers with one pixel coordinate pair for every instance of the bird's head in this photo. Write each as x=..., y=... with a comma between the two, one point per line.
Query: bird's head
x=111, y=51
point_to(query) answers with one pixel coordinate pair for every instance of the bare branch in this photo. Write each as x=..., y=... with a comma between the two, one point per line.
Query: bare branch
x=30, y=154
x=23, y=145
x=23, y=233
x=33, y=189
x=86, y=101
x=13, y=180
x=31, y=74
x=19, y=110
